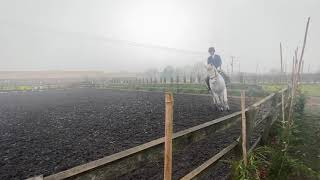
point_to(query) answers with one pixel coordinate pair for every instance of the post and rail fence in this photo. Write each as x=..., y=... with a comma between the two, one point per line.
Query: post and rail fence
x=259, y=118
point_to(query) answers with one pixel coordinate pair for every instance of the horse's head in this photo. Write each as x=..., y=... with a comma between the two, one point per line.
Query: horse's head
x=212, y=73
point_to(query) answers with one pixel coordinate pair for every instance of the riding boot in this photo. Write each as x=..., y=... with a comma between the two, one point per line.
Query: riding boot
x=208, y=83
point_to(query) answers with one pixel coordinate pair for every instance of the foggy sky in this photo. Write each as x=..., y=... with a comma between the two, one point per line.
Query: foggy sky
x=103, y=35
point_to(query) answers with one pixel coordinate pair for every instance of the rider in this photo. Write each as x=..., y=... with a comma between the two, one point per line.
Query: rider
x=215, y=60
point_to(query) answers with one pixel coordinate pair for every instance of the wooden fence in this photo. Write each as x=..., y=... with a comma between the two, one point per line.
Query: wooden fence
x=260, y=116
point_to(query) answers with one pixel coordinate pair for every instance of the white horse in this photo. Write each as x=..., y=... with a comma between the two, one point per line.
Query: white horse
x=218, y=88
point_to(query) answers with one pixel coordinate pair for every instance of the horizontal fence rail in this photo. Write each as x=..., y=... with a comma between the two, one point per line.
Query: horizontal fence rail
x=251, y=114
x=209, y=162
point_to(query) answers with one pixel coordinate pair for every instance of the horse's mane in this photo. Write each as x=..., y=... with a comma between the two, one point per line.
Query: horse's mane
x=212, y=70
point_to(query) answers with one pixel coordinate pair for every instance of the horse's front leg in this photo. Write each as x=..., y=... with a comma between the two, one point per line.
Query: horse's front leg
x=213, y=98
x=221, y=102
x=217, y=100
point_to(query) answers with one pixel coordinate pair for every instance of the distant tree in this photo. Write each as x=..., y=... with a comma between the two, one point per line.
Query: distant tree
x=179, y=71
x=151, y=73
x=187, y=70
x=199, y=71
x=168, y=72
x=274, y=70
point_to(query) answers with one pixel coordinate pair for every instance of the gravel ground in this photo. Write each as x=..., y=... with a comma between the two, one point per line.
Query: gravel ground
x=191, y=157
x=50, y=131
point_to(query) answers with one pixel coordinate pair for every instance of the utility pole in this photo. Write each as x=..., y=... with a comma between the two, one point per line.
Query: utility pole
x=232, y=64
x=285, y=67
x=281, y=76
x=257, y=75
x=281, y=58
x=228, y=71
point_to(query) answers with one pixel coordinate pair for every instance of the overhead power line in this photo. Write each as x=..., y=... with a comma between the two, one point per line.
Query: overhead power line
x=151, y=46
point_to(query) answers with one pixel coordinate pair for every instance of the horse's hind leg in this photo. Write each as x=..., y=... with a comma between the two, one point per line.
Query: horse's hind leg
x=225, y=99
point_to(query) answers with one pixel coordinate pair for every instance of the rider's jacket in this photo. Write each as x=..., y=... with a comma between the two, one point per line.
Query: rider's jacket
x=214, y=60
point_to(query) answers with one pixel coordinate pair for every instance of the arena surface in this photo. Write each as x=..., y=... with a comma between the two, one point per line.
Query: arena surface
x=50, y=131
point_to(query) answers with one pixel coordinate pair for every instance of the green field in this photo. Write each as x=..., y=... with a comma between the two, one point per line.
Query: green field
x=308, y=89
x=15, y=88
x=308, y=131
x=311, y=89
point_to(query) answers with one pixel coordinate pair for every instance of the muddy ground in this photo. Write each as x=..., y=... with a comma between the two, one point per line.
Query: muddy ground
x=50, y=131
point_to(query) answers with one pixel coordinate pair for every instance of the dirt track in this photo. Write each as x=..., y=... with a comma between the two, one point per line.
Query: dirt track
x=47, y=132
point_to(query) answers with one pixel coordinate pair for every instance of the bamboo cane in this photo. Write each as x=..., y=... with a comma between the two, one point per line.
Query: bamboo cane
x=296, y=74
x=304, y=43
x=281, y=77
x=283, y=113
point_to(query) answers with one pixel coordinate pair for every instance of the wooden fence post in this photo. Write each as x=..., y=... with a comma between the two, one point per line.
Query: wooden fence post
x=266, y=130
x=244, y=129
x=273, y=116
x=250, y=119
x=168, y=136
